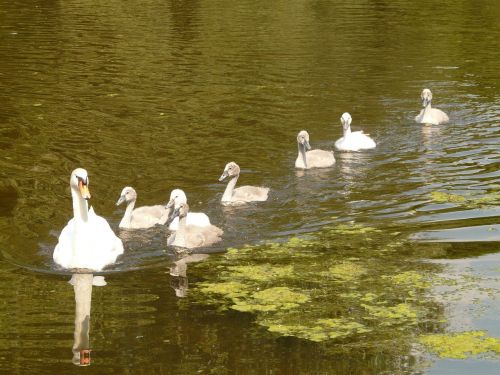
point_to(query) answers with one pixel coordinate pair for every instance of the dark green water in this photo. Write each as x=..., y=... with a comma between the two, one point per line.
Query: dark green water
x=160, y=95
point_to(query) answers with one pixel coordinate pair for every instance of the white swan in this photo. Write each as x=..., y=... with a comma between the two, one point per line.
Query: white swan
x=177, y=196
x=141, y=217
x=352, y=141
x=243, y=194
x=314, y=158
x=87, y=241
x=191, y=236
x=430, y=115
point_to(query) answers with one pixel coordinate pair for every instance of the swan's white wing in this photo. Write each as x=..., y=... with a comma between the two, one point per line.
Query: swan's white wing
x=63, y=252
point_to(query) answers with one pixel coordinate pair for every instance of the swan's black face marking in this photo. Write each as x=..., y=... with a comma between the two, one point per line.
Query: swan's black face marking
x=83, y=180
x=83, y=185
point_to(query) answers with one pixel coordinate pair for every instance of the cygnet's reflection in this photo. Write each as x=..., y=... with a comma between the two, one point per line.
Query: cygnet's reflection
x=179, y=281
x=82, y=286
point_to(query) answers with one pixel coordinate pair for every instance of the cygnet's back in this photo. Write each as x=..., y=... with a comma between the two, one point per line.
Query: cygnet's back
x=192, y=236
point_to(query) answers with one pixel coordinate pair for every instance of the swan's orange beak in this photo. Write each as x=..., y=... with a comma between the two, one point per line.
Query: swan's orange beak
x=84, y=190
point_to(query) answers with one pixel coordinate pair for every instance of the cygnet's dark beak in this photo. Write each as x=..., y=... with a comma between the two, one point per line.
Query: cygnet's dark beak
x=120, y=200
x=170, y=203
x=223, y=177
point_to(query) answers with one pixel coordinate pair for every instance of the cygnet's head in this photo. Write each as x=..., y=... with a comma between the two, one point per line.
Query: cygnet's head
x=181, y=211
x=303, y=139
x=346, y=119
x=177, y=196
x=232, y=169
x=79, y=182
x=128, y=194
x=426, y=97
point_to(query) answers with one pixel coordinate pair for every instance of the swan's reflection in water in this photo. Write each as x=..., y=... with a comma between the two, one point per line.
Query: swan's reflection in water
x=178, y=271
x=82, y=286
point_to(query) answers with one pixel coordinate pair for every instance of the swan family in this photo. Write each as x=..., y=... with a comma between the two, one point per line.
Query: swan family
x=88, y=242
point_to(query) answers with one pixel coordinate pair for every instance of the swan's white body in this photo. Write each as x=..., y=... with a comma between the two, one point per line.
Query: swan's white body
x=353, y=141
x=313, y=158
x=191, y=236
x=177, y=196
x=141, y=217
x=430, y=115
x=87, y=241
x=242, y=194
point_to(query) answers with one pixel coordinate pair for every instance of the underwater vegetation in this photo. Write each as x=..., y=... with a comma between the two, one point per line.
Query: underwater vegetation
x=351, y=284
x=348, y=282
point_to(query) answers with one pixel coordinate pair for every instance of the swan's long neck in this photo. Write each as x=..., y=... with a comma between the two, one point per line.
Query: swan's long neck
x=83, y=299
x=127, y=217
x=80, y=207
x=302, y=153
x=228, y=193
x=347, y=131
x=180, y=235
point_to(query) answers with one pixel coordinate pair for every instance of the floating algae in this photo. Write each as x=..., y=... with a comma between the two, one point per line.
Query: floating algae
x=441, y=197
x=334, y=285
x=461, y=345
x=345, y=271
x=321, y=330
x=272, y=299
x=468, y=202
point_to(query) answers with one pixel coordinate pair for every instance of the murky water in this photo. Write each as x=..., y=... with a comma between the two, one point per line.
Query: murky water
x=160, y=95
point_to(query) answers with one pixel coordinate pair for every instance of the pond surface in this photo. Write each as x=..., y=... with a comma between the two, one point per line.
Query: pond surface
x=162, y=94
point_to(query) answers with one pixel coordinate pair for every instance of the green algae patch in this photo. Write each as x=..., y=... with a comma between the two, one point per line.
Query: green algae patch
x=272, y=299
x=346, y=271
x=409, y=279
x=322, y=330
x=461, y=345
x=402, y=313
x=441, y=197
x=469, y=202
x=336, y=285
x=229, y=289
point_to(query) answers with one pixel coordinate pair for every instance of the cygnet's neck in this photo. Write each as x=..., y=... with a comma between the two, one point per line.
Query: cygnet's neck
x=302, y=153
x=80, y=207
x=228, y=193
x=127, y=216
x=427, y=108
x=180, y=235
